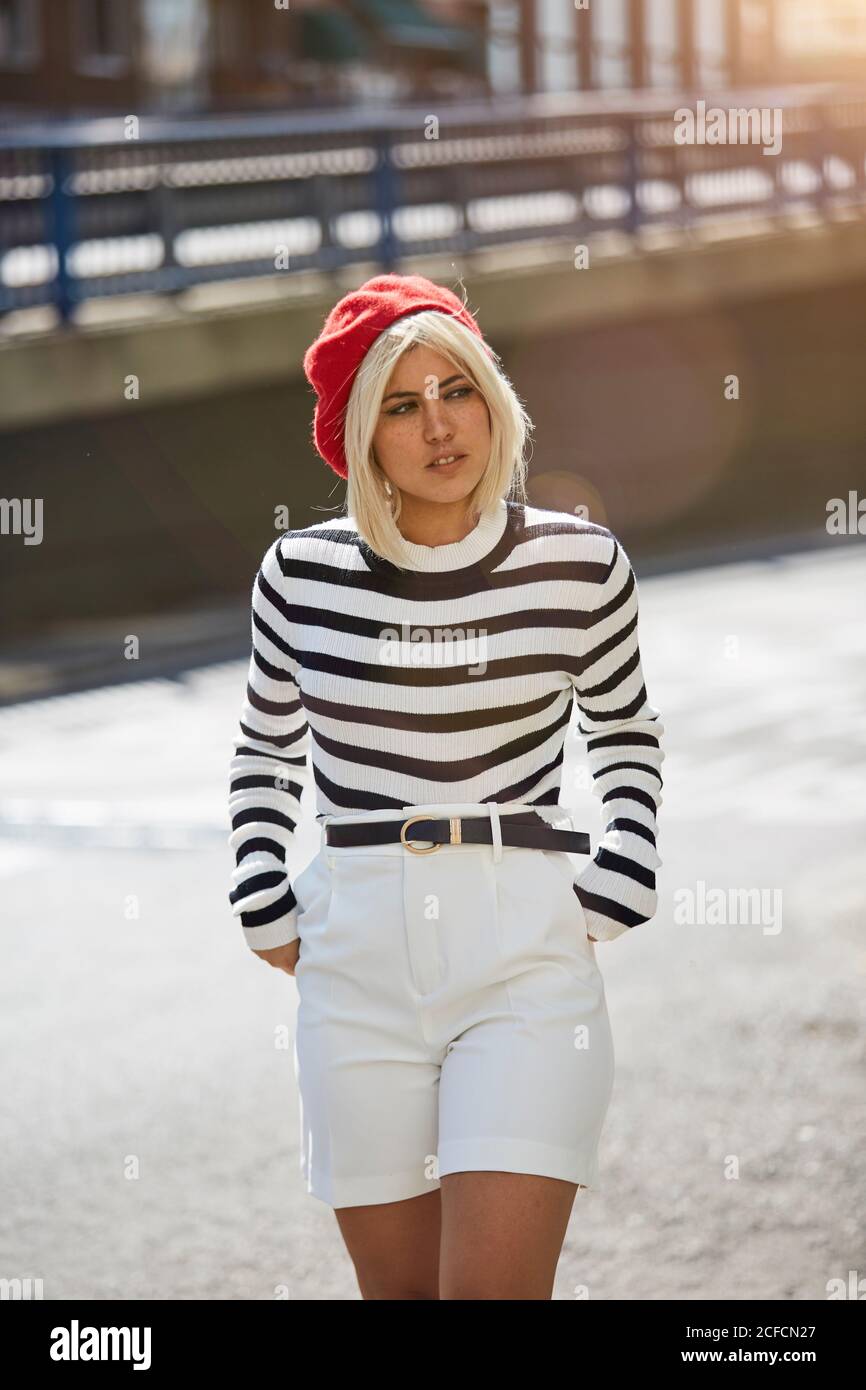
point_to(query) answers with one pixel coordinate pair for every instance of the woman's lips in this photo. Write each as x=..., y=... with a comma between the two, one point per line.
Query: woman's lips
x=446, y=467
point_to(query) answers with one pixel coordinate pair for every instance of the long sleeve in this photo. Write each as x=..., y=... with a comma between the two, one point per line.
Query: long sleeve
x=617, y=889
x=269, y=770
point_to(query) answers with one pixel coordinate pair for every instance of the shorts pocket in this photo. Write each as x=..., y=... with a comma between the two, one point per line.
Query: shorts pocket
x=563, y=871
x=313, y=890
x=310, y=884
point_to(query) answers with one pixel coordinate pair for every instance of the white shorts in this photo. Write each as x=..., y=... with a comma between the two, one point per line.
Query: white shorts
x=451, y=1016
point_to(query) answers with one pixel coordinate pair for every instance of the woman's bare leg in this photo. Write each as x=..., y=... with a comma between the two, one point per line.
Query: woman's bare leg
x=394, y=1246
x=502, y=1234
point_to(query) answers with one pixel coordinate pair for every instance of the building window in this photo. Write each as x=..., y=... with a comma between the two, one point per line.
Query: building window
x=712, y=63
x=611, y=44
x=102, y=39
x=557, y=34
x=19, y=33
x=661, y=39
x=503, y=47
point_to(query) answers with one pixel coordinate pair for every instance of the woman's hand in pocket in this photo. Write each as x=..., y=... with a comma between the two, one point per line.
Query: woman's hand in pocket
x=283, y=957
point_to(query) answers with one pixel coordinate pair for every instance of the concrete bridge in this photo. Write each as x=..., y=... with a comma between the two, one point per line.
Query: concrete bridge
x=624, y=278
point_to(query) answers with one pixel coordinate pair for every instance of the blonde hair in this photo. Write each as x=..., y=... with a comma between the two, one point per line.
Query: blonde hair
x=374, y=511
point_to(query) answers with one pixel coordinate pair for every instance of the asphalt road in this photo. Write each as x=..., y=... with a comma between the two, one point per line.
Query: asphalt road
x=149, y=1113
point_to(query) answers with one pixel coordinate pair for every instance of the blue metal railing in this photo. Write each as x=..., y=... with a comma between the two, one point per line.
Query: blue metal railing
x=111, y=206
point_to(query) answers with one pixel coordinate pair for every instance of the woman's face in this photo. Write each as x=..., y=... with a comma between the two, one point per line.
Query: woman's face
x=430, y=411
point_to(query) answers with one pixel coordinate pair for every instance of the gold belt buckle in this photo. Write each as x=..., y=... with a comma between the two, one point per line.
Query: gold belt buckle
x=455, y=835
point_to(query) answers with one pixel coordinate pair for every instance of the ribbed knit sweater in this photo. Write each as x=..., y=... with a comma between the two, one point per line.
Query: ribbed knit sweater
x=451, y=681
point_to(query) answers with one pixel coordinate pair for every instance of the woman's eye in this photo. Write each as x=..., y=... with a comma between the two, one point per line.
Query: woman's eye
x=457, y=391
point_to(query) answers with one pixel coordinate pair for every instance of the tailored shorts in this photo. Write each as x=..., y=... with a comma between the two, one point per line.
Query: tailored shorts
x=451, y=1015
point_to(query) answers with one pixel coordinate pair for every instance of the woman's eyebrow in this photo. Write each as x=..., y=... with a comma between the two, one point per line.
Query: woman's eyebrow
x=446, y=382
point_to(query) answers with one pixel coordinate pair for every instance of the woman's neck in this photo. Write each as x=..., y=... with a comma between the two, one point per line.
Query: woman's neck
x=436, y=523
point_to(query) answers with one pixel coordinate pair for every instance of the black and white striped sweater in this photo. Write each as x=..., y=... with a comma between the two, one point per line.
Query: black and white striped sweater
x=453, y=682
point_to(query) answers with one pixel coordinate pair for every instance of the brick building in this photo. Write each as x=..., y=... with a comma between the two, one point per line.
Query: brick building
x=60, y=57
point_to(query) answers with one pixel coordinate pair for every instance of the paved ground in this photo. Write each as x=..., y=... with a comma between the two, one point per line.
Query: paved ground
x=140, y=1035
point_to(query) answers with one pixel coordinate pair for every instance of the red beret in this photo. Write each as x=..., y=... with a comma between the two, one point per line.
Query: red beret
x=351, y=328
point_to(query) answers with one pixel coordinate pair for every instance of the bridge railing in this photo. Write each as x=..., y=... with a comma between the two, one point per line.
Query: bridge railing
x=120, y=205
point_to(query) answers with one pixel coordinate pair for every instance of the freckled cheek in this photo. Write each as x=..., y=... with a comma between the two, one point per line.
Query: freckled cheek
x=478, y=419
x=402, y=447
x=404, y=436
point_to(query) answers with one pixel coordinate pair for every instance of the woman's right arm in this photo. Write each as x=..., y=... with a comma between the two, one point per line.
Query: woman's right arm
x=269, y=770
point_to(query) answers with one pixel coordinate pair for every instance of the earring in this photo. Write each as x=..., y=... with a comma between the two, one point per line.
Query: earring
x=387, y=488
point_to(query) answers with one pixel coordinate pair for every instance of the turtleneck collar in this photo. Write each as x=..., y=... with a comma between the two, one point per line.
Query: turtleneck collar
x=493, y=538
x=458, y=554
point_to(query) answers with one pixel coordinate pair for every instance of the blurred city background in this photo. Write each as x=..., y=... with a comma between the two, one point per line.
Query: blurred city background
x=186, y=188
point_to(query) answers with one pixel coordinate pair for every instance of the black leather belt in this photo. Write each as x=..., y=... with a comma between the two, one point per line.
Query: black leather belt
x=524, y=830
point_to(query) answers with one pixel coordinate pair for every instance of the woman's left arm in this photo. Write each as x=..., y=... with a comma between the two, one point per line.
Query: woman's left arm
x=617, y=889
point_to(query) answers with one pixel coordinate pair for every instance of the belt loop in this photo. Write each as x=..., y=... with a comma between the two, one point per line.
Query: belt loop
x=496, y=831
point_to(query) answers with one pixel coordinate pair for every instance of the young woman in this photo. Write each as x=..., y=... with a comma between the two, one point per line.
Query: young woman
x=453, y=1051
